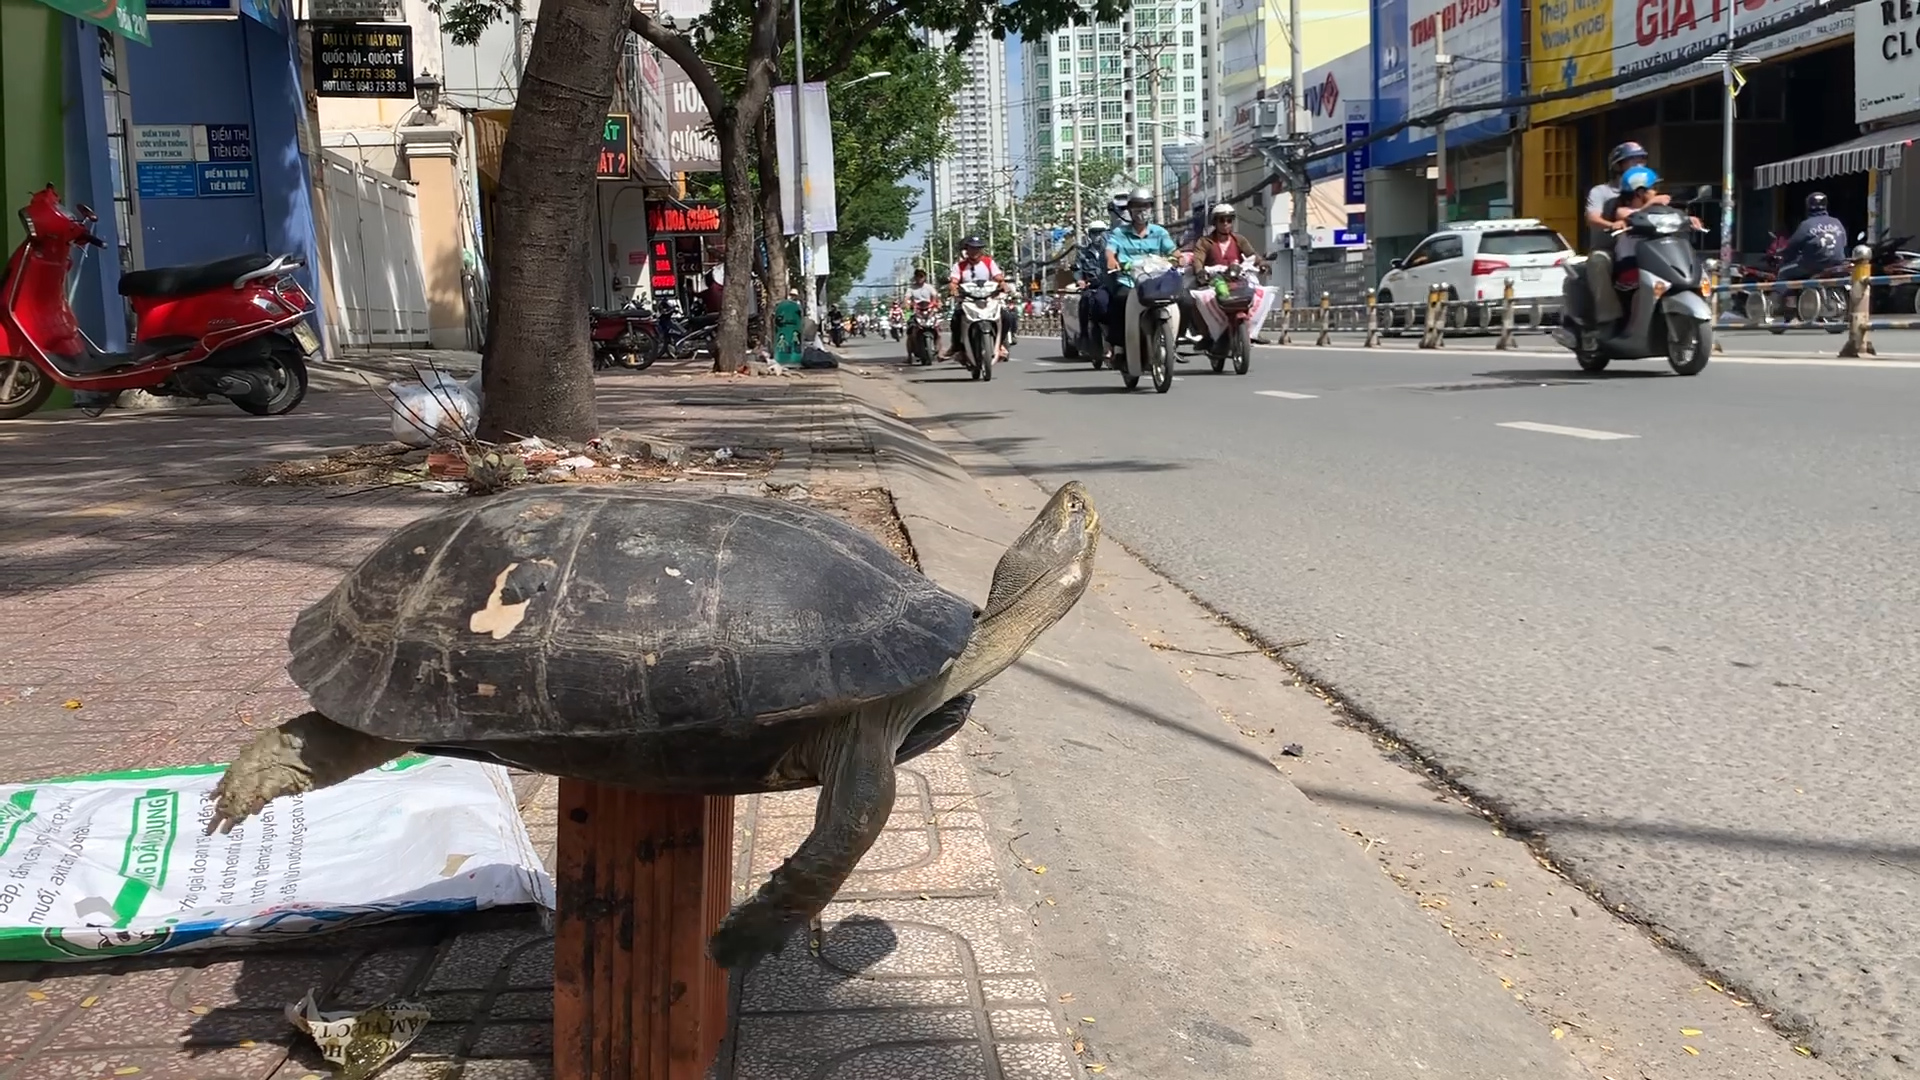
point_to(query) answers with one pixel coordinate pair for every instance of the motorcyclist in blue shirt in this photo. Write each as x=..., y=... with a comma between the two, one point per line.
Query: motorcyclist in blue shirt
x=1090, y=268
x=1140, y=238
x=1817, y=246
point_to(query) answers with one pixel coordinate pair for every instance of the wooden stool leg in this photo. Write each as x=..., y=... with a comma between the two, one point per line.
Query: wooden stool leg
x=642, y=880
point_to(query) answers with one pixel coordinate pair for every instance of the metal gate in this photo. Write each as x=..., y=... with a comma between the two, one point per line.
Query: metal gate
x=377, y=285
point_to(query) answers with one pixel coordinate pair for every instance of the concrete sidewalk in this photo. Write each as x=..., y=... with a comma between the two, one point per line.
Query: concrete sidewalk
x=142, y=584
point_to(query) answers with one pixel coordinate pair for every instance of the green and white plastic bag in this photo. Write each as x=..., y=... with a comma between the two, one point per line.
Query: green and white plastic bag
x=118, y=864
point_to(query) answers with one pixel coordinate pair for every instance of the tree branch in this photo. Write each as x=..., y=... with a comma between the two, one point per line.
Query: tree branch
x=850, y=44
x=680, y=51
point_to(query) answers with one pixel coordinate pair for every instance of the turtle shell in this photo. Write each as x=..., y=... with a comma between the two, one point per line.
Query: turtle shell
x=565, y=627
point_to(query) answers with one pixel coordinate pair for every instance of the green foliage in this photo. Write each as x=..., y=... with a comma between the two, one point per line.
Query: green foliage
x=1049, y=195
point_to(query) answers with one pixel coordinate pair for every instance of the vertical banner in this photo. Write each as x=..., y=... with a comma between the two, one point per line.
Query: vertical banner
x=822, y=215
x=1357, y=161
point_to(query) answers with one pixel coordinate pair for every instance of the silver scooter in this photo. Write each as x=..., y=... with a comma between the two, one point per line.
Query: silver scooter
x=1666, y=315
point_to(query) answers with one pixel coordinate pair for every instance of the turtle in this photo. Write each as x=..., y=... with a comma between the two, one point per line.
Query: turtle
x=713, y=644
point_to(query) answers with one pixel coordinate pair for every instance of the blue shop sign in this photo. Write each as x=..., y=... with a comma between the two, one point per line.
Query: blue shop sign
x=1357, y=163
x=219, y=180
x=1482, y=36
x=165, y=179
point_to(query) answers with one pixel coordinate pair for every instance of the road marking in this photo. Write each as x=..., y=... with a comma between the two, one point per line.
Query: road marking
x=1761, y=361
x=1556, y=429
x=1288, y=394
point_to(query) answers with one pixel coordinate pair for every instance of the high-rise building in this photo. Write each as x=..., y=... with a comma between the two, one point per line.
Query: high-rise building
x=978, y=167
x=1091, y=86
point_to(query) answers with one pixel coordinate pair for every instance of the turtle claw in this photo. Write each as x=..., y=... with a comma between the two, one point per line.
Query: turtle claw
x=304, y=753
x=751, y=933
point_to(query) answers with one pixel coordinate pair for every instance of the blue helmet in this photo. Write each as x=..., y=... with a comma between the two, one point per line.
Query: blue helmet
x=1637, y=178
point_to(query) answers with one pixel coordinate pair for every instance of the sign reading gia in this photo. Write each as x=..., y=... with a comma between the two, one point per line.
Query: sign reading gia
x=689, y=219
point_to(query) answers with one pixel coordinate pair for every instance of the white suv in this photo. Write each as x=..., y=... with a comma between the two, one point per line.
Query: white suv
x=1474, y=260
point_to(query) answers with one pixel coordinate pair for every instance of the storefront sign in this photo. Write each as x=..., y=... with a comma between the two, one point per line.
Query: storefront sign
x=1357, y=162
x=128, y=18
x=683, y=219
x=660, y=276
x=691, y=146
x=368, y=11
x=363, y=60
x=1482, y=37
x=193, y=7
x=223, y=180
x=1646, y=32
x=1572, y=45
x=616, y=148
x=188, y=161
x=1886, y=61
x=1339, y=94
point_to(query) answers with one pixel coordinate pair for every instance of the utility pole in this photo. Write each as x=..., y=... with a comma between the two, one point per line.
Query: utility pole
x=1443, y=75
x=933, y=209
x=1159, y=129
x=1297, y=129
x=800, y=170
x=1726, y=146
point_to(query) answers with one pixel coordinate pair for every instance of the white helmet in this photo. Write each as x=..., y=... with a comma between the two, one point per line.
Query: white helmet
x=1224, y=209
x=1096, y=225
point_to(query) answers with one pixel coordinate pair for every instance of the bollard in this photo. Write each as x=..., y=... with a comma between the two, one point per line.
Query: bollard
x=1373, y=320
x=1435, y=333
x=1286, y=318
x=1713, y=301
x=1859, y=301
x=1326, y=318
x=1506, y=317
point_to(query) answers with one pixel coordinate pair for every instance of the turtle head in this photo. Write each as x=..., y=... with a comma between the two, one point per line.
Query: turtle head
x=1038, y=580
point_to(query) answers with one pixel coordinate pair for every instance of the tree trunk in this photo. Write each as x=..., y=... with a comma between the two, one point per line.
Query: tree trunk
x=777, y=280
x=538, y=364
x=730, y=340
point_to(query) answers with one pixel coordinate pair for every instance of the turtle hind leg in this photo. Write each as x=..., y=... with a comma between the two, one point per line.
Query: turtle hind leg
x=854, y=762
x=301, y=755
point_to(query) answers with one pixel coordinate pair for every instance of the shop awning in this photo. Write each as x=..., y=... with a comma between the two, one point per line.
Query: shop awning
x=128, y=18
x=1874, y=150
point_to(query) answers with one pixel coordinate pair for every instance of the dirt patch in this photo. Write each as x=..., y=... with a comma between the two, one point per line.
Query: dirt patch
x=396, y=464
x=871, y=510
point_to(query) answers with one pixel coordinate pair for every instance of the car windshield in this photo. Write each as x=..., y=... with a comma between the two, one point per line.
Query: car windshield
x=1522, y=242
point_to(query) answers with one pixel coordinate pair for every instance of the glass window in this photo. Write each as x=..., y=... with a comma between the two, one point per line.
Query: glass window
x=1186, y=83
x=1443, y=247
x=1066, y=88
x=1086, y=110
x=1043, y=92
x=1522, y=242
x=1043, y=115
x=1066, y=134
x=1110, y=65
x=1086, y=41
x=1166, y=61
x=1089, y=133
x=1046, y=139
x=1143, y=17
x=1089, y=87
x=1188, y=128
x=1186, y=62
x=1186, y=15
x=1064, y=42
x=1063, y=65
x=1086, y=65
x=1110, y=132
x=1143, y=174
x=1189, y=106
x=1109, y=110
x=1109, y=41
x=1186, y=38
x=1041, y=46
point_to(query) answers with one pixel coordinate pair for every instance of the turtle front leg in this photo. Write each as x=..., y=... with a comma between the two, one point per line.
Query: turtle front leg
x=305, y=753
x=854, y=762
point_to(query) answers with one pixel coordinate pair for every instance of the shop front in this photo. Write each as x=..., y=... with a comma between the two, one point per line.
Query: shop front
x=1481, y=39
x=1790, y=103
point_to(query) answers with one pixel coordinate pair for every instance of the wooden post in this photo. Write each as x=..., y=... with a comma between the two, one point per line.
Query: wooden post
x=642, y=881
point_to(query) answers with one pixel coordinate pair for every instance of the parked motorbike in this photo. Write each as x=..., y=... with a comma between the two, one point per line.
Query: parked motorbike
x=685, y=339
x=625, y=339
x=1891, y=257
x=980, y=303
x=1754, y=307
x=234, y=327
x=922, y=333
x=1666, y=315
x=1153, y=324
x=1235, y=288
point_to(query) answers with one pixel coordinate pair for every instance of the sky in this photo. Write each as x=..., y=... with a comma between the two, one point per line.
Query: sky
x=884, y=252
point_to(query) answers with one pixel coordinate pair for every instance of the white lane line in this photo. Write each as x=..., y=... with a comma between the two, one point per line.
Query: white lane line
x=1556, y=429
x=1288, y=394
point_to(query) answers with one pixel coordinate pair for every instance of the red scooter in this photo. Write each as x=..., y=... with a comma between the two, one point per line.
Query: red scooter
x=235, y=327
x=626, y=338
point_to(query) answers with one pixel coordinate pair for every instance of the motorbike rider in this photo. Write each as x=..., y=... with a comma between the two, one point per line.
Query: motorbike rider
x=974, y=265
x=1602, y=224
x=1140, y=237
x=1222, y=245
x=1010, y=317
x=923, y=292
x=1817, y=246
x=1090, y=267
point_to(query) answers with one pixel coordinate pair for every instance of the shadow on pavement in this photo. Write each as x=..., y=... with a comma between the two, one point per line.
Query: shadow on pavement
x=1565, y=374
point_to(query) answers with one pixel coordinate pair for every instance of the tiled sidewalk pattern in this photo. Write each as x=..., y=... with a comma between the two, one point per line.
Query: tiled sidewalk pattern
x=159, y=599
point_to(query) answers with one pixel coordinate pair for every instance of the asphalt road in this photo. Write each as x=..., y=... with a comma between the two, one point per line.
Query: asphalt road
x=1668, y=624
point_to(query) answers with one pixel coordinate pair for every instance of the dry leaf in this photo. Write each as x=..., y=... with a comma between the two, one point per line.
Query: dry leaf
x=1506, y=983
x=1079, y=1046
x=89, y=1001
x=1717, y=988
x=246, y=1044
x=1803, y=1051
x=1039, y=869
x=36, y=995
x=72, y=703
x=1690, y=1050
x=1498, y=884
x=1096, y=1068
x=1690, y=1032
x=1086, y=1019
x=199, y=1010
x=1559, y=1033
x=1068, y=996
x=126, y=1070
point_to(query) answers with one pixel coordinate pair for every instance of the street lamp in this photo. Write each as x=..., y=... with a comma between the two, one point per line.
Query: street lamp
x=868, y=77
x=426, y=94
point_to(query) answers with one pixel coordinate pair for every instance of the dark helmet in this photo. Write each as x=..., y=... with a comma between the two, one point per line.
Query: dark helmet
x=972, y=243
x=1624, y=153
x=1816, y=203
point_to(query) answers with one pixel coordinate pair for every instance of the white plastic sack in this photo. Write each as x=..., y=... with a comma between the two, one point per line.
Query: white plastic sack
x=434, y=406
x=118, y=864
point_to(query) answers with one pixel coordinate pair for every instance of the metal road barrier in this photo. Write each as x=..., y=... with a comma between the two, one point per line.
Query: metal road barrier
x=1439, y=316
x=1858, y=323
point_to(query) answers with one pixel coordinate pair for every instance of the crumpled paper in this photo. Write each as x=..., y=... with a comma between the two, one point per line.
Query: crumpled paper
x=359, y=1042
